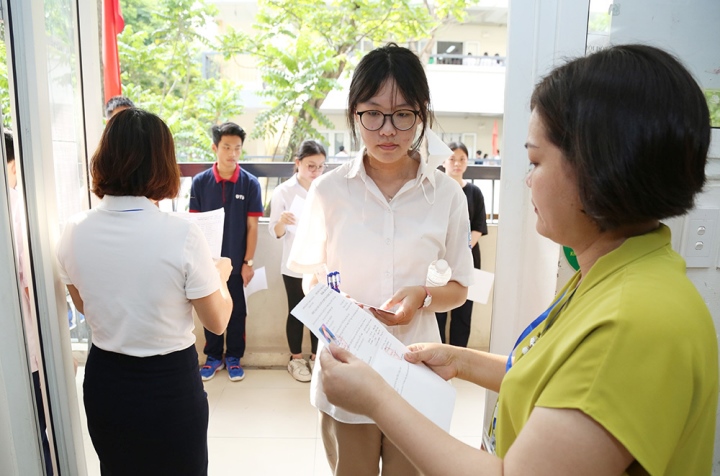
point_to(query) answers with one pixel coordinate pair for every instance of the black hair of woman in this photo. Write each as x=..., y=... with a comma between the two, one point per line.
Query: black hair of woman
x=639, y=151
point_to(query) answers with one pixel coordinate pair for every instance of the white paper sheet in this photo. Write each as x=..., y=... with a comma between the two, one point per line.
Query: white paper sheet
x=211, y=224
x=479, y=291
x=332, y=317
x=437, y=150
x=257, y=283
x=296, y=208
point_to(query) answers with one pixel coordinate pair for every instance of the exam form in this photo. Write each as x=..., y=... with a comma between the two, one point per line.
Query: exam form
x=211, y=224
x=334, y=318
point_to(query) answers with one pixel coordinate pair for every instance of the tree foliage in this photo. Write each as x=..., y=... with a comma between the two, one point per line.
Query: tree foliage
x=303, y=47
x=4, y=84
x=162, y=55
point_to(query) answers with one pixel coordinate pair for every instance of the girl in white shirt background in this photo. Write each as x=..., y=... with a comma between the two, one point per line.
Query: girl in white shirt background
x=309, y=165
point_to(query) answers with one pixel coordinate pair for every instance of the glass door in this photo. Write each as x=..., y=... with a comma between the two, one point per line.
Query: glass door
x=53, y=76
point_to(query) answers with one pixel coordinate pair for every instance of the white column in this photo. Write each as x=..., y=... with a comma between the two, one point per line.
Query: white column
x=540, y=34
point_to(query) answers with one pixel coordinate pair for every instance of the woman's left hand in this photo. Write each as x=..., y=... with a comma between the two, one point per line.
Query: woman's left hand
x=410, y=299
x=349, y=382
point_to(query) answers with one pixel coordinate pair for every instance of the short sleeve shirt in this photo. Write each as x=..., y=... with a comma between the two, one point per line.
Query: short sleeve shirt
x=478, y=218
x=239, y=196
x=635, y=349
x=379, y=246
x=136, y=269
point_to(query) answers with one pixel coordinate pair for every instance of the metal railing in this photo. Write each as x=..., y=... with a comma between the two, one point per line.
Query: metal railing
x=487, y=177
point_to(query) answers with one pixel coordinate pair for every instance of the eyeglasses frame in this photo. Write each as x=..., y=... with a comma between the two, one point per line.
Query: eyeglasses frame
x=385, y=116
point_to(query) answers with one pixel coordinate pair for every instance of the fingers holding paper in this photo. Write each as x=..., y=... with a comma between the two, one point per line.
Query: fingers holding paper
x=349, y=382
x=288, y=218
x=441, y=358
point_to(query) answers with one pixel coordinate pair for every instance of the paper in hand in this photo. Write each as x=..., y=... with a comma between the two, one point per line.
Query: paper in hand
x=257, y=283
x=211, y=224
x=479, y=291
x=334, y=318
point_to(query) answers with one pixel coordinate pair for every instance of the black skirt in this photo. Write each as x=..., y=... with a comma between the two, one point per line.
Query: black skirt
x=147, y=415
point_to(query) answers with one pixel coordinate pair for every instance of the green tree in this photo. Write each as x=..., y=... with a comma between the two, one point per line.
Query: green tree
x=303, y=47
x=4, y=84
x=162, y=56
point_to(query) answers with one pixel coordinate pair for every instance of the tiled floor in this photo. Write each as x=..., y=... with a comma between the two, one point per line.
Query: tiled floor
x=265, y=425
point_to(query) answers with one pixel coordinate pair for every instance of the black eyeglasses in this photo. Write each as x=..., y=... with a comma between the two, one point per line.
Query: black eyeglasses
x=401, y=120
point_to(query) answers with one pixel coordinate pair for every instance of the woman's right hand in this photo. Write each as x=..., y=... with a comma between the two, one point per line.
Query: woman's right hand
x=441, y=358
x=224, y=267
x=287, y=218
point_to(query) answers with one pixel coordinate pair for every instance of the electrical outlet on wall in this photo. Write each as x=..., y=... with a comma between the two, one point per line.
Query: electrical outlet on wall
x=700, y=237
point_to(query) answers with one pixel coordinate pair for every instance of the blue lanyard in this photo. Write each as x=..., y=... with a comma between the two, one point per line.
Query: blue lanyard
x=539, y=320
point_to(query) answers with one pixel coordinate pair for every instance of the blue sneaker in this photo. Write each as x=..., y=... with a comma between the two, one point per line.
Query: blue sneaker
x=235, y=372
x=211, y=367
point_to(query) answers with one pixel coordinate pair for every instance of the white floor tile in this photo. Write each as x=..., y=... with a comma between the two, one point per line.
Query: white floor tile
x=266, y=425
x=261, y=456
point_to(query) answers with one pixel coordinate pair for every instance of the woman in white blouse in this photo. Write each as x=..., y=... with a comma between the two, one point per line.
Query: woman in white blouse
x=287, y=201
x=137, y=273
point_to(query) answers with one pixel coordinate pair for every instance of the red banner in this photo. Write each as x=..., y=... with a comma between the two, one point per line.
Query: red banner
x=113, y=24
x=495, y=139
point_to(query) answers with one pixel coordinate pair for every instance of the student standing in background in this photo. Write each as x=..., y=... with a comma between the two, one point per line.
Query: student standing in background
x=309, y=165
x=116, y=104
x=226, y=185
x=460, y=317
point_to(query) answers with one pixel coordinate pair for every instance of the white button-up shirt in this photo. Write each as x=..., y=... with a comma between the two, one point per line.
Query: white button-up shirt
x=282, y=199
x=136, y=269
x=379, y=246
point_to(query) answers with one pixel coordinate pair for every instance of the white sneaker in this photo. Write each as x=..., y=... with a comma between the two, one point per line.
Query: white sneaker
x=299, y=370
x=311, y=364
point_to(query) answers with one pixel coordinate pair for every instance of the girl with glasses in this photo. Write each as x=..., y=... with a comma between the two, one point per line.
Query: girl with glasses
x=289, y=195
x=380, y=220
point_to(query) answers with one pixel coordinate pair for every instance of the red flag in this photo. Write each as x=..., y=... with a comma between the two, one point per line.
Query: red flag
x=495, y=139
x=113, y=25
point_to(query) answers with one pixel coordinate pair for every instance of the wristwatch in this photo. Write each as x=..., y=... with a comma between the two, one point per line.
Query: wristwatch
x=427, y=300
x=248, y=262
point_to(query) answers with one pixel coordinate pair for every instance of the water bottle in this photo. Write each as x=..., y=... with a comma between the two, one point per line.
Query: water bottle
x=438, y=274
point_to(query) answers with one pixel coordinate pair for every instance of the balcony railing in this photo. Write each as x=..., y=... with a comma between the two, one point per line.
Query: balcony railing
x=270, y=174
x=468, y=60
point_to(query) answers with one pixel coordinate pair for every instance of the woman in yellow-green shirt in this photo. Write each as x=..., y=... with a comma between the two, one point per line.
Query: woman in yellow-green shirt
x=620, y=374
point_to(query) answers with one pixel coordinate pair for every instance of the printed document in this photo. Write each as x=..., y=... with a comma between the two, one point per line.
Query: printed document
x=211, y=224
x=334, y=318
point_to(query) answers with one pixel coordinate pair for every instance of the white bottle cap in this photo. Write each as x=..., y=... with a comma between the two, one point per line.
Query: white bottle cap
x=441, y=266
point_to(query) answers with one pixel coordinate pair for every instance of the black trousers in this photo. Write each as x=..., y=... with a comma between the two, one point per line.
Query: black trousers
x=235, y=340
x=459, y=324
x=147, y=415
x=294, y=329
